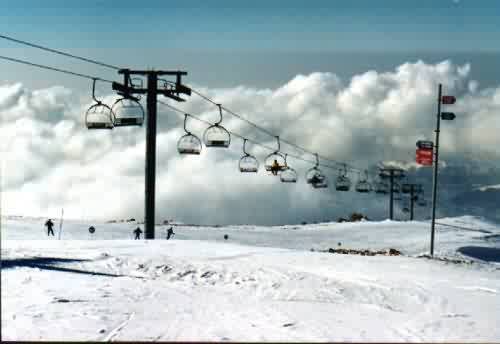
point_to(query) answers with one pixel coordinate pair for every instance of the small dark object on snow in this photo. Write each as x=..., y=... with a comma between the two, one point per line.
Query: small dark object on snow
x=62, y=300
x=91, y=230
x=288, y=324
x=226, y=236
x=131, y=220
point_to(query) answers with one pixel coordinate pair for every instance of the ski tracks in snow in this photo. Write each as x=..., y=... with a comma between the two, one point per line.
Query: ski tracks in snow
x=117, y=329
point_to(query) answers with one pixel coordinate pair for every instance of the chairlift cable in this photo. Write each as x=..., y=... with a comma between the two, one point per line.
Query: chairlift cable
x=33, y=45
x=11, y=59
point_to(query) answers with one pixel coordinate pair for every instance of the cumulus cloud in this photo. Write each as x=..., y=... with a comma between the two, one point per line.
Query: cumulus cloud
x=51, y=161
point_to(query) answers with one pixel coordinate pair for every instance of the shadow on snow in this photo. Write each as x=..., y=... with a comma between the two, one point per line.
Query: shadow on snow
x=488, y=254
x=48, y=263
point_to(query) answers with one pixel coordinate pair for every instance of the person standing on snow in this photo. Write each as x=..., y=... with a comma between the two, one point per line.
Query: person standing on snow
x=170, y=232
x=49, y=224
x=137, y=233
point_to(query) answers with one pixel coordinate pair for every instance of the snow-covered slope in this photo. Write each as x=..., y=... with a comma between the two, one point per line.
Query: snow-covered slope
x=262, y=284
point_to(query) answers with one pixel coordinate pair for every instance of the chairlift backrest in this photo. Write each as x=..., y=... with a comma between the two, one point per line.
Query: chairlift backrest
x=128, y=112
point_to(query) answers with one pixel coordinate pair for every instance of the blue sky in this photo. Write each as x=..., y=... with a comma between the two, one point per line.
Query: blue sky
x=277, y=38
x=262, y=25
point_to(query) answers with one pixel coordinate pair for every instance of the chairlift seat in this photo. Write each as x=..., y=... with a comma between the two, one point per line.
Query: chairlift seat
x=320, y=185
x=279, y=158
x=248, y=164
x=99, y=116
x=92, y=125
x=189, y=144
x=314, y=175
x=363, y=187
x=382, y=188
x=343, y=183
x=128, y=121
x=127, y=112
x=288, y=176
x=217, y=136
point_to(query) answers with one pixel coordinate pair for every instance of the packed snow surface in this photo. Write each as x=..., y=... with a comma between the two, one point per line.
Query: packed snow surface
x=262, y=284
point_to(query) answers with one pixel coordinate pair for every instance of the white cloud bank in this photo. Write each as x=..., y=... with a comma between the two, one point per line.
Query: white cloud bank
x=51, y=161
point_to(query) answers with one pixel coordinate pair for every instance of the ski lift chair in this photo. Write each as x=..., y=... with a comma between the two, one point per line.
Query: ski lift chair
x=248, y=163
x=343, y=183
x=189, y=143
x=288, y=175
x=216, y=135
x=321, y=183
x=315, y=175
x=382, y=188
x=277, y=157
x=363, y=186
x=128, y=111
x=99, y=115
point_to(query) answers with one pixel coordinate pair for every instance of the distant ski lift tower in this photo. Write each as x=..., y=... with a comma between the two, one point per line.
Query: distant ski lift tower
x=446, y=116
x=169, y=89
x=391, y=173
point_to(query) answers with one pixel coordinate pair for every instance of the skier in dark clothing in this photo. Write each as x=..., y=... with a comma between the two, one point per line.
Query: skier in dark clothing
x=137, y=233
x=275, y=167
x=49, y=224
x=170, y=232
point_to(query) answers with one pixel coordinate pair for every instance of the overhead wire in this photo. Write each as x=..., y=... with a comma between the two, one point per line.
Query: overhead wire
x=11, y=59
x=59, y=52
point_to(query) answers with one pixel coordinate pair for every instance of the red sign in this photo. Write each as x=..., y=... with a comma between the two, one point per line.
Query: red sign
x=424, y=156
x=424, y=153
x=448, y=100
x=424, y=162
